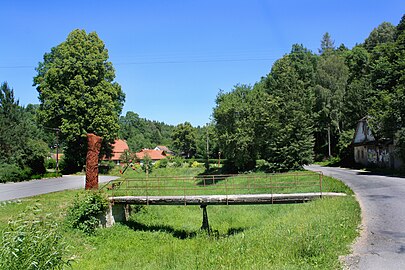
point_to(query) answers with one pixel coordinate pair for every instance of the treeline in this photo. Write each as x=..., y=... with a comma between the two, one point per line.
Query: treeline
x=143, y=133
x=308, y=106
x=183, y=139
x=22, y=144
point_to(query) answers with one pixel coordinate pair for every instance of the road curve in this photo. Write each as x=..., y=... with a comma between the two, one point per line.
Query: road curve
x=381, y=244
x=12, y=191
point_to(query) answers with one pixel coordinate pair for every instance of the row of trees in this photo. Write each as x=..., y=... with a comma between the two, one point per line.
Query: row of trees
x=22, y=144
x=309, y=104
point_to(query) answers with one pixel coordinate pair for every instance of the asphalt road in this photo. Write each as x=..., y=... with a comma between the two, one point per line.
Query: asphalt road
x=12, y=191
x=381, y=244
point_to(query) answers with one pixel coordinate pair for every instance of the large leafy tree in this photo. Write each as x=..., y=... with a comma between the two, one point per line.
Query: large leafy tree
x=235, y=120
x=78, y=94
x=384, y=33
x=331, y=81
x=290, y=81
x=184, y=139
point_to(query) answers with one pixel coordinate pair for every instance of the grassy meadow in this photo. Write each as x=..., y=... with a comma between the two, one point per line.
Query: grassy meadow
x=296, y=236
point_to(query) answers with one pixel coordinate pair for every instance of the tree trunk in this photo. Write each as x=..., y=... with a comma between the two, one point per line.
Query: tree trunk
x=93, y=150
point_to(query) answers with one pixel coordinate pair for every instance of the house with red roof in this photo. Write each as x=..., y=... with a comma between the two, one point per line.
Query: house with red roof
x=153, y=154
x=118, y=148
x=166, y=149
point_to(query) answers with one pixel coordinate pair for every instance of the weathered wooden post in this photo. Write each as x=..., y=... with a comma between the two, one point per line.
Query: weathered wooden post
x=93, y=150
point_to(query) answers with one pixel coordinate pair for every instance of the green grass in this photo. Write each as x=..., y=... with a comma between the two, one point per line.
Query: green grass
x=297, y=236
x=163, y=183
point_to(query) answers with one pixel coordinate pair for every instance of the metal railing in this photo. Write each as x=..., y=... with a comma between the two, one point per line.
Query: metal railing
x=216, y=185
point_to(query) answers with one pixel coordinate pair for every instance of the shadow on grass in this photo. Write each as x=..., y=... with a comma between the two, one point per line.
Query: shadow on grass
x=180, y=234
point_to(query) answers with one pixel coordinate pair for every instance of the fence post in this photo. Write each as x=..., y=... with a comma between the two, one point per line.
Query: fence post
x=320, y=182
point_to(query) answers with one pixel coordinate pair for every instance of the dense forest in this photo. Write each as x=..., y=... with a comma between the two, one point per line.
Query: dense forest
x=305, y=109
x=308, y=106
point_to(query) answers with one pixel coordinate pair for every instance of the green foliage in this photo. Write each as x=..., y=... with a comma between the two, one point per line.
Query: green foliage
x=163, y=163
x=147, y=164
x=400, y=142
x=78, y=94
x=20, y=139
x=106, y=167
x=32, y=241
x=86, y=210
x=141, y=133
x=13, y=173
x=184, y=139
x=50, y=163
x=175, y=161
x=272, y=121
x=384, y=33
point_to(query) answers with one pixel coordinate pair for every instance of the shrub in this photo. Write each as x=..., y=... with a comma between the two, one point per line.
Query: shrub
x=162, y=163
x=262, y=165
x=106, y=167
x=13, y=173
x=85, y=212
x=50, y=163
x=196, y=164
x=32, y=242
x=177, y=161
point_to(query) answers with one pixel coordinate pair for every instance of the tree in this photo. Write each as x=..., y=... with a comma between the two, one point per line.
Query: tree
x=184, y=139
x=19, y=137
x=290, y=83
x=359, y=93
x=234, y=124
x=78, y=94
x=384, y=33
x=331, y=80
x=142, y=133
x=327, y=44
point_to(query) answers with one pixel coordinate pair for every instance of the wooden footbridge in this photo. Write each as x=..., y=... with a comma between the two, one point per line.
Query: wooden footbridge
x=206, y=190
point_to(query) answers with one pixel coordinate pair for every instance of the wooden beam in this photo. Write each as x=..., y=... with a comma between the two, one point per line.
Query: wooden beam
x=240, y=199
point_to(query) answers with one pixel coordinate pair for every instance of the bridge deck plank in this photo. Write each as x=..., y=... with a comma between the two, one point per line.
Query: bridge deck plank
x=240, y=199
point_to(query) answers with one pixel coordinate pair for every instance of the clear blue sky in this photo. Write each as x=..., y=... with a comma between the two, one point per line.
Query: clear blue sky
x=172, y=57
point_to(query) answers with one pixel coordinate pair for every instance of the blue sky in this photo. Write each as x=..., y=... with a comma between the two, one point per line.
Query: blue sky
x=172, y=57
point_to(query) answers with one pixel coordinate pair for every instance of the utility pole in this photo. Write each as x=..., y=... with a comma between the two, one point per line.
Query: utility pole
x=57, y=151
x=329, y=149
x=57, y=147
x=208, y=159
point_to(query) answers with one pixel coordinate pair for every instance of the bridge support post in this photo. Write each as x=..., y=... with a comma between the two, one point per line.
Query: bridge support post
x=205, y=225
x=115, y=213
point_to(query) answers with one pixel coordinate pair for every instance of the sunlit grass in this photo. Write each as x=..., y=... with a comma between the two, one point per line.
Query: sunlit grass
x=297, y=236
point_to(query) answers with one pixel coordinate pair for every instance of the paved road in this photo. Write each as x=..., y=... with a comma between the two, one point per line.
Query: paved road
x=381, y=244
x=12, y=191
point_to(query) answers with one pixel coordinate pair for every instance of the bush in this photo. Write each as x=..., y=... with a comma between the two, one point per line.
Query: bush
x=50, y=163
x=177, y=161
x=196, y=164
x=85, y=212
x=13, y=173
x=105, y=167
x=32, y=242
x=263, y=166
x=162, y=163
